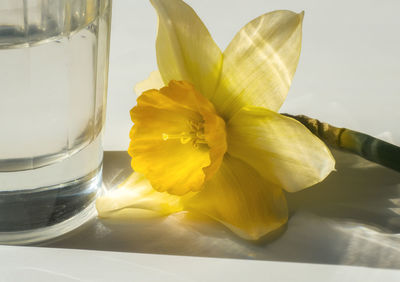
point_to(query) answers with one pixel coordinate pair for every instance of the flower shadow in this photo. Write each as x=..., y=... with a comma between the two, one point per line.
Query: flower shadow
x=358, y=191
x=352, y=218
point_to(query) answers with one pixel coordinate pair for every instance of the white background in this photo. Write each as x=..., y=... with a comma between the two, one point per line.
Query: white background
x=348, y=74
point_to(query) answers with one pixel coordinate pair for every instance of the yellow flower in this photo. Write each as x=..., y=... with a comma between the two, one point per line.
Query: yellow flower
x=210, y=138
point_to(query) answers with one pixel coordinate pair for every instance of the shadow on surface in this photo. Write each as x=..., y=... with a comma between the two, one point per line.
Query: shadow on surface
x=359, y=190
x=352, y=218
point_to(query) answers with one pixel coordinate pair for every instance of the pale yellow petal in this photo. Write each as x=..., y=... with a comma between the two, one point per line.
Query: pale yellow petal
x=281, y=149
x=185, y=48
x=154, y=81
x=135, y=198
x=242, y=200
x=259, y=63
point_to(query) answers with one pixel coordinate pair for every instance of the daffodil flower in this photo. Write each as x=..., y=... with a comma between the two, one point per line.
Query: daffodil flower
x=207, y=136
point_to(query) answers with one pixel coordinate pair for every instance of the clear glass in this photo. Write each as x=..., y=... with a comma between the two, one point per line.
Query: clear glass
x=53, y=84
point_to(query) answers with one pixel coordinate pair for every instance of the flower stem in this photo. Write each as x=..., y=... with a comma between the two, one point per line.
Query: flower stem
x=364, y=145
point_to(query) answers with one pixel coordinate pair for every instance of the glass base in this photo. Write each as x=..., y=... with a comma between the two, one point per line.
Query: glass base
x=32, y=216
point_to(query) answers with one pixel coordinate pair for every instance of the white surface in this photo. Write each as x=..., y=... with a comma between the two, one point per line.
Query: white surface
x=348, y=72
x=351, y=219
x=348, y=76
x=42, y=264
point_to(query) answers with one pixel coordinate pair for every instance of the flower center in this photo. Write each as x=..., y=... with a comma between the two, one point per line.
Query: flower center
x=195, y=134
x=178, y=141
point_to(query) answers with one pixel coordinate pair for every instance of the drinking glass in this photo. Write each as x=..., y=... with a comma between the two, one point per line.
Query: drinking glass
x=53, y=85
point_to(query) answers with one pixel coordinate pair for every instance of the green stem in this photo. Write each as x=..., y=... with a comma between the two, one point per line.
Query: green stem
x=364, y=145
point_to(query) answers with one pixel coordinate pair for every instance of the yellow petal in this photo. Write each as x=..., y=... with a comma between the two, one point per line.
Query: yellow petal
x=176, y=139
x=259, y=63
x=154, y=81
x=185, y=48
x=281, y=149
x=136, y=198
x=239, y=198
